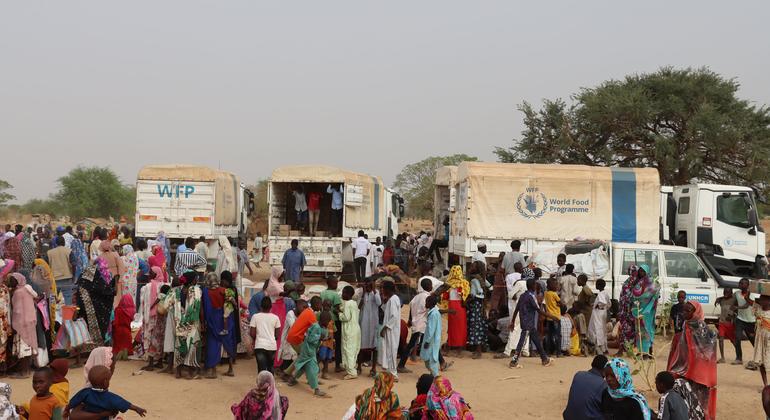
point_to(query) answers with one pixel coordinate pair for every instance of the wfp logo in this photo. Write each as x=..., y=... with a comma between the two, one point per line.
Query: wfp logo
x=532, y=204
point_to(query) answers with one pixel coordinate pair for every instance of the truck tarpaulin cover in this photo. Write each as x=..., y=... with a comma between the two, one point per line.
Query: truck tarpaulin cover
x=364, y=194
x=559, y=202
x=226, y=186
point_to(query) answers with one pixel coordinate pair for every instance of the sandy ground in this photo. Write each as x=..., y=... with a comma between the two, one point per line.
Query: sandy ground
x=492, y=389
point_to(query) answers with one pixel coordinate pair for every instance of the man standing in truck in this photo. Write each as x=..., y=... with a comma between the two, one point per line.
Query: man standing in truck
x=300, y=206
x=361, y=248
x=510, y=259
x=314, y=208
x=336, y=219
x=293, y=262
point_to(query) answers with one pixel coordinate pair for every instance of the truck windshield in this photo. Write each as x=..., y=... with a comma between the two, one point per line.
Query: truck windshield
x=733, y=210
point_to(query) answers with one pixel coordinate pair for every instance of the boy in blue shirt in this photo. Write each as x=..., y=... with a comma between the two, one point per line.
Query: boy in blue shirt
x=98, y=399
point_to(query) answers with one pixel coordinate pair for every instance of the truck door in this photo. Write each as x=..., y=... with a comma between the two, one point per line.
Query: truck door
x=685, y=272
x=735, y=228
x=686, y=205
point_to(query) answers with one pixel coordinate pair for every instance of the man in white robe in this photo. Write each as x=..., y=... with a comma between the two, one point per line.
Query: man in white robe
x=387, y=346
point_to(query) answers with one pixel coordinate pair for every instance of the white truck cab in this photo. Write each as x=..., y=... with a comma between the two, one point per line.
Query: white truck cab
x=720, y=222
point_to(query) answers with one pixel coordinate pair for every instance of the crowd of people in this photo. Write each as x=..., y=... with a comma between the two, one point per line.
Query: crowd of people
x=68, y=293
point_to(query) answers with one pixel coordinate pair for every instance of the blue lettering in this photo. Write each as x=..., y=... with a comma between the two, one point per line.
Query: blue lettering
x=177, y=191
x=188, y=189
x=164, y=189
x=699, y=298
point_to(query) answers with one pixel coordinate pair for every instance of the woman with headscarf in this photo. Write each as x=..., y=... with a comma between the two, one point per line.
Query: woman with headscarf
x=625, y=311
x=127, y=284
x=644, y=302
x=380, y=401
x=113, y=260
x=96, y=292
x=499, y=289
x=12, y=250
x=619, y=400
x=122, y=346
x=61, y=386
x=419, y=406
x=158, y=259
x=153, y=323
x=275, y=291
x=220, y=332
x=100, y=356
x=5, y=319
x=444, y=403
x=693, y=361
x=263, y=402
x=226, y=259
x=28, y=253
x=455, y=297
x=78, y=256
x=24, y=322
x=185, y=303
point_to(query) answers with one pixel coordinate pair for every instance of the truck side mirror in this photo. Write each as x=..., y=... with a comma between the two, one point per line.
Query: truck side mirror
x=702, y=275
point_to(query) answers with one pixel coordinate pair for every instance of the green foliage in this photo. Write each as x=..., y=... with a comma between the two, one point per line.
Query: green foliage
x=41, y=206
x=415, y=183
x=4, y=196
x=689, y=124
x=664, y=317
x=94, y=192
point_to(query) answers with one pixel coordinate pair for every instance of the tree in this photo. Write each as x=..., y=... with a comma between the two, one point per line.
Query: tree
x=96, y=192
x=689, y=124
x=415, y=183
x=4, y=196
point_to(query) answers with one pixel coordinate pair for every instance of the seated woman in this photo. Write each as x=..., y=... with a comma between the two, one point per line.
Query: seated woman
x=620, y=400
x=379, y=401
x=262, y=402
x=445, y=403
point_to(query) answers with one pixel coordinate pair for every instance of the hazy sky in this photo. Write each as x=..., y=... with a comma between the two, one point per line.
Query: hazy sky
x=368, y=86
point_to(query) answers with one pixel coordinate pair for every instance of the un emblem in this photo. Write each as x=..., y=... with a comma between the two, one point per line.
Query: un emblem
x=532, y=205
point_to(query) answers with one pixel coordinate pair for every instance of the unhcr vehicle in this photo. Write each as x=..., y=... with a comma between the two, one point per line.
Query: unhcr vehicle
x=189, y=200
x=366, y=204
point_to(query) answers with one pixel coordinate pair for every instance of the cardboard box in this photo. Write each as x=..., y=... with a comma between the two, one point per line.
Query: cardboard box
x=321, y=233
x=284, y=230
x=760, y=287
x=295, y=233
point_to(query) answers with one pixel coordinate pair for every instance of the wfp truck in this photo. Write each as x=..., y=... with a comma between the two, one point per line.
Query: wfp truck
x=364, y=203
x=188, y=200
x=544, y=205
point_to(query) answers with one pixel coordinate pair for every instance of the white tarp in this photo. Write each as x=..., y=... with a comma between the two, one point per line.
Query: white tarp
x=595, y=264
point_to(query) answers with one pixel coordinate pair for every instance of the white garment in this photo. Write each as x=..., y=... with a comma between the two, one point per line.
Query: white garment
x=513, y=340
x=361, y=246
x=369, y=319
x=300, y=203
x=597, y=332
x=287, y=351
x=436, y=283
x=479, y=256
x=569, y=290
x=418, y=312
x=94, y=250
x=265, y=324
x=377, y=255
x=514, y=288
x=387, y=349
x=68, y=238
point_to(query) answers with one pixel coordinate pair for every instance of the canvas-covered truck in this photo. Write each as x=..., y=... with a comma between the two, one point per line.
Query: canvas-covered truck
x=366, y=204
x=189, y=200
x=544, y=205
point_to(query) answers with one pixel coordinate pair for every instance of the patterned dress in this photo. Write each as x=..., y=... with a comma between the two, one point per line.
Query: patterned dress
x=477, y=326
x=5, y=324
x=128, y=279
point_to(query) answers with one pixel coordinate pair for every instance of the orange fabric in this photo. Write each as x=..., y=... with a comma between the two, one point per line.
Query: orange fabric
x=44, y=408
x=300, y=327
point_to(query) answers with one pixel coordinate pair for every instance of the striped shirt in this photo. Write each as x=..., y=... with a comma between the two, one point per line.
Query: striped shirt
x=188, y=260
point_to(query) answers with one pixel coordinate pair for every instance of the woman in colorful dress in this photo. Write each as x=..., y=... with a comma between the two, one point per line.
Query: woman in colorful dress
x=379, y=401
x=121, y=328
x=644, y=301
x=477, y=325
x=153, y=323
x=625, y=315
x=454, y=298
x=693, y=361
x=96, y=292
x=187, y=325
x=24, y=322
x=445, y=403
x=158, y=259
x=127, y=284
x=263, y=402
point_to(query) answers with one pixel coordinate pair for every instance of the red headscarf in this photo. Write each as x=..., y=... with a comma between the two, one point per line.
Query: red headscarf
x=60, y=367
x=126, y=307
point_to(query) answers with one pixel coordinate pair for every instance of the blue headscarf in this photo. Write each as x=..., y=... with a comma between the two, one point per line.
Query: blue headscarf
x=78, y=257
x=626, y=389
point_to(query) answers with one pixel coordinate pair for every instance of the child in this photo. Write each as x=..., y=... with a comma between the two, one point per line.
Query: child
x=528, y=307
x=566, y=329
x=677, y=312
x=230, y=300
x=326, y=352
x=671, y=406
x=331, y=295
x=552, y=326
x=726, y=321
x=97, y=398
x=351, y=332
x=306, y=362
x=762, y=338
x=44, y=405
x=597, y=327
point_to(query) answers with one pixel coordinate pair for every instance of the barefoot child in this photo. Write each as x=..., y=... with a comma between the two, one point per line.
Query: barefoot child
x=97, y=398
x=762, y=339
x=326, y=351
x=726, y=321
x=44, y=405
x=351, y=332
